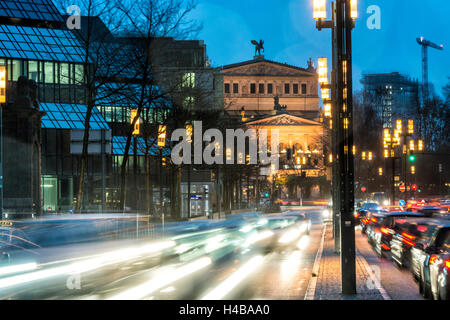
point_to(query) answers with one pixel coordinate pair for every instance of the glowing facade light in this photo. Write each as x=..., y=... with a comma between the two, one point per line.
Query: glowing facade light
x=162, y=133
x=399, y=125
x=323, y=70
x=354, y=150
x=136, y=129
x=320, y=9
x=413, y=169
x=354, y=9
x=327, y=110
x=189, y=133
x=410, y=126
x=325, y=93
x=2, y=84
x=412, y=146
x=330, y=158
x=363, y=155
x=380, y=171
x=420, y=145
x=298, y=160
x=386, y=153
x=370, y=158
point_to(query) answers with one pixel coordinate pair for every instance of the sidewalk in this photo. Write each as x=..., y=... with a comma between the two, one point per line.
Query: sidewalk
x=327, y=284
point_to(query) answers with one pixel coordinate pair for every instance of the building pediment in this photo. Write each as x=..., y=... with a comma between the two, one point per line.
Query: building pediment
x=266, y=68
x=283, y=120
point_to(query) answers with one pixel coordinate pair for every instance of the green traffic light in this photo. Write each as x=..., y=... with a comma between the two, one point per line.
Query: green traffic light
x=412, y=158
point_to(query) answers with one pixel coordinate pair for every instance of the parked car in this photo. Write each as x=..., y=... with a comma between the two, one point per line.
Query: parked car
x=434, y=261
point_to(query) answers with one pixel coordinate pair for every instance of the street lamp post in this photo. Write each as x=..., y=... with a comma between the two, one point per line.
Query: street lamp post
x=2, y=103
x=344, y=12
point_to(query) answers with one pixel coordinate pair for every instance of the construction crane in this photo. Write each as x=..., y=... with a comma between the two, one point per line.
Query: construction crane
x=425, y=44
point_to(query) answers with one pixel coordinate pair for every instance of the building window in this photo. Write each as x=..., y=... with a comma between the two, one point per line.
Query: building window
x=287, y=88
x=270, y=88
x=79, y=74
x=261, y=88
x=33, y=70
x=227, y=88
x=253, y=88
x=188, y=80
x=64, y=73
x=303, y=88
x=295, y=88
x=235, y=88
x=48, y=72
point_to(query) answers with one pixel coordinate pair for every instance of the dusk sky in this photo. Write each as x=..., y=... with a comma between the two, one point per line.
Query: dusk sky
x=290, y=36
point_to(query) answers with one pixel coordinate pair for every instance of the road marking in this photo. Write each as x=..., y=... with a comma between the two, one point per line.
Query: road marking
x=372, y=276
x=311, y=291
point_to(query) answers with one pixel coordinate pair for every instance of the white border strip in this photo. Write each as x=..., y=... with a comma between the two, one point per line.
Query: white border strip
x=372, y=276
x=311, y=291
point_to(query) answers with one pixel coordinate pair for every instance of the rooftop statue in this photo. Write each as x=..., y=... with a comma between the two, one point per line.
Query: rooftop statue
x=258, y=46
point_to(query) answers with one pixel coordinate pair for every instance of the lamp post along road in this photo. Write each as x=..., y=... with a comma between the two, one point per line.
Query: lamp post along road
x=342, y=24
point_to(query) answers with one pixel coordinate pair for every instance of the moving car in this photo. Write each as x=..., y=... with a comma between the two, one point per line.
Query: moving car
x=434, y=261
x=409, y=233
x=361, y=213
x=384, y=226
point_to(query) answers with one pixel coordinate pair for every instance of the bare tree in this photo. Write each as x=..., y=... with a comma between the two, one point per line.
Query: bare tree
x=146, y=23
x=103, y=60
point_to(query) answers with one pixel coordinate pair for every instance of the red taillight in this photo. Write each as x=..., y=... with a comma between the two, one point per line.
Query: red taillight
x=365, y=221
x=385, y=247
x=409, y=236
x=447, y=264
x=385, y=231
x=432, y=260
x=356, y=216
x=374, y=220
x=422, y=228
x=409, y=243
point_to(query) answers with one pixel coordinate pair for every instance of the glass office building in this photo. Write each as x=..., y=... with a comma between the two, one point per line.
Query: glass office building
x=35, y=43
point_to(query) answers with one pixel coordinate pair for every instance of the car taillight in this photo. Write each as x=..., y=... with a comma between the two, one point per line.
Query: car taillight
x=409, y=243
x=447, y=264
x=432, y=260
x=385, y=231
x=374, y=220
x=409, y=236
x=422, y=228
x=356, y=216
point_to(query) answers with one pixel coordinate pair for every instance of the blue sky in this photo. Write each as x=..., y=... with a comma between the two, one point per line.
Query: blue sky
x=290, y=35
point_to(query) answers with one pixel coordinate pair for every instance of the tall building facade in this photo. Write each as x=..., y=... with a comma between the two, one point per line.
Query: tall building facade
x=393, y=96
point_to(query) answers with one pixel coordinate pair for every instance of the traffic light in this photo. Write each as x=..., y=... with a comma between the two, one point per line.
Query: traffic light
x=412, y=158
x=414, y=187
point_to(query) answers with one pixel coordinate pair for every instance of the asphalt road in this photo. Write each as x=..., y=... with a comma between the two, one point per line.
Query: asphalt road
x=247, y=274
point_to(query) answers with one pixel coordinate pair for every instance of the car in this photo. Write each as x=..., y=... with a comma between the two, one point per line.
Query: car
x=16, y=246
x=285, y=230
x=384, y=226
x=361, y=215
x=434, y=257
x=327, y=214
x=409, y=233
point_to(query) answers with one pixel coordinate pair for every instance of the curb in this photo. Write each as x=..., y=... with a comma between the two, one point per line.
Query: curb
x=311, y=291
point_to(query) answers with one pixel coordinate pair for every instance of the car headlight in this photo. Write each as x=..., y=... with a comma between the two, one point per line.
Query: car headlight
x=326, y=213
x=386, y=202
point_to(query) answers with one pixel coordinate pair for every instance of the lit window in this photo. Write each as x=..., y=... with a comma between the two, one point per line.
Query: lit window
x=189, y=80
x=48, y=72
